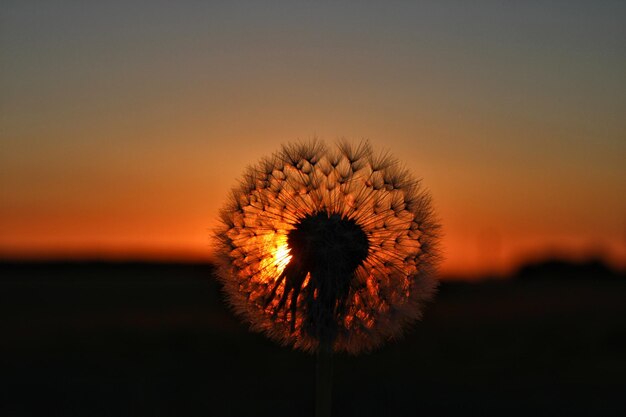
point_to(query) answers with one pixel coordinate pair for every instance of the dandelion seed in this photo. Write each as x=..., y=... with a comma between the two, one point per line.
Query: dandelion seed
x=328, y=246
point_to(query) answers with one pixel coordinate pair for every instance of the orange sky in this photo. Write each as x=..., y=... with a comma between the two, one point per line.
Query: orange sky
x=124, y=128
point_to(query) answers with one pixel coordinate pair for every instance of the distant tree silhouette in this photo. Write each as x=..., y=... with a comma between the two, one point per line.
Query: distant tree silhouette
x=560, y=269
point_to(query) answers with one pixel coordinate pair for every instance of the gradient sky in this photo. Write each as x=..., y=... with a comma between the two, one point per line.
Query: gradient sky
x=124, y=124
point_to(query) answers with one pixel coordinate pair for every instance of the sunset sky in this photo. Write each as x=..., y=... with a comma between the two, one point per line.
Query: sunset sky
x=124, y=124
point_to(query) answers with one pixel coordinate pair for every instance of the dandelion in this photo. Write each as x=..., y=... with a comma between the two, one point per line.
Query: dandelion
x=321, y=244
x=328, y=248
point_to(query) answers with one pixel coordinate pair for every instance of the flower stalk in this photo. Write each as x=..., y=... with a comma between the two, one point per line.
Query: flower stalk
x=324, y=381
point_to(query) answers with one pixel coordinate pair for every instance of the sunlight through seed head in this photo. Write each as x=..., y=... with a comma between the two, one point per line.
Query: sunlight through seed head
x=328, y=244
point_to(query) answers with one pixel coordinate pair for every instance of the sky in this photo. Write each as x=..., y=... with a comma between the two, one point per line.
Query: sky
x=123, y=125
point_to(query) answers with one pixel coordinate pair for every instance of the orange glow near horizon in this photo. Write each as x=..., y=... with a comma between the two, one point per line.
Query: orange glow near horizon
x=465, y=256
x=124, y=144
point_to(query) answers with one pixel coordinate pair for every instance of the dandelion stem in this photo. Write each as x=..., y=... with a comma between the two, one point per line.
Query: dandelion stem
x=324, y=380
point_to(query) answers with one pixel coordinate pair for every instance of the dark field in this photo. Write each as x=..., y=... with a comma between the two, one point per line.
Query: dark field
x=93, y=339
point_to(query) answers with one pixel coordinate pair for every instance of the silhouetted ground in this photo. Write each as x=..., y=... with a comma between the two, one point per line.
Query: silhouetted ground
x=94, y=339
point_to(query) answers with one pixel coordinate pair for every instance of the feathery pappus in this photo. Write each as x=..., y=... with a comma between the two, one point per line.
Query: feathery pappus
x=334, y=245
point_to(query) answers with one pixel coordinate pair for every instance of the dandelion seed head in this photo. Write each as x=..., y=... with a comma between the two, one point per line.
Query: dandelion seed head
x=328, y=244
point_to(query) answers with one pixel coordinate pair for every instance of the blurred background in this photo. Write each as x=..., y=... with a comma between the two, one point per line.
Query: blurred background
x=124, y=124
x=133, y=339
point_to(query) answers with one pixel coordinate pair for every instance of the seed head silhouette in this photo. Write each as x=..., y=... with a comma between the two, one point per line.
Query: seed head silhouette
x=328, y=245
